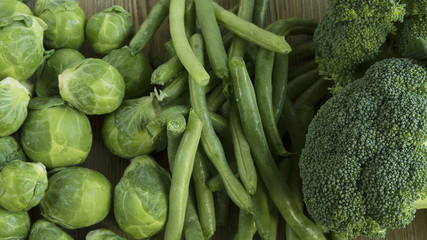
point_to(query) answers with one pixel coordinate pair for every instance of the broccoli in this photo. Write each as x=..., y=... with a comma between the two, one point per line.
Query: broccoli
x=412, y=37
x=364, y=166
x=351, y=33
x=415, y=7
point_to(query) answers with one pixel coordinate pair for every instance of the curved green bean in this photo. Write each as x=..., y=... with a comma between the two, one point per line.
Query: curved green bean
x=264, y=92
x=252, y=126
x=242, y=153
x=301, y=50
x=210, y=141
x=181, y=175
x=250, y=31
x=302, y=68
x=262, y=211
x=215, y=183
x=166, y=71
x=314, y=93
x=150, y=25
x=182, y=46
x=246, y=228
x=212, y=37
x=280, y=83
x=299, y=84
x=204, y=196
x=174, y=89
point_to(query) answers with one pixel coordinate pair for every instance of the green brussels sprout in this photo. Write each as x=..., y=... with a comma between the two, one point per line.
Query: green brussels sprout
x=109, y=29
x=22, y=185
x=93, y=86
x=135, y=69
x=7, y=8
x=56, y=134
x=137, y=127
x=47, y=74
x=14, y=225
x=14, y=99
x=45, y=230
x=77, y=197
x=22, y=8
x=141, y=198
x=103, y=234
x=66, y=23
x=10, y=150
x=21, y=38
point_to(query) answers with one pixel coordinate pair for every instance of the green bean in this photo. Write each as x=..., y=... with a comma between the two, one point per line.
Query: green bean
x=182, y=46
x=252, y=126
x=237, y=48
x=262, y=211
x=242, y=153
x=165, y=72
x=204, y=196
x=150, y=25
x=175, y=127
x=314, y=93
x=215, y=99
x=220, y=125
x=215, y=183
x=305, y=113
x=300, y=83
x=264, y=92
x=250, y=31
x=294, y=25
x=212, y=36
x=260, y=12
x=170, y=48
x=293, y=125
x=181, y=174
x=280, y=83
x=210, y=141
x=246, y=228
x=274, y=221
x=192, y=226
x=300, y=50
x=302, y=68
x=190, y=18
x=173, y=90
x=222, y=207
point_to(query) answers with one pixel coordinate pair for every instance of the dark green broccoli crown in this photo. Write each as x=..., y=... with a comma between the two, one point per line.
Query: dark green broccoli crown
x=413, y=29
x=388, y=10
x=342, y=46
x=415, y=7
x=364, y=163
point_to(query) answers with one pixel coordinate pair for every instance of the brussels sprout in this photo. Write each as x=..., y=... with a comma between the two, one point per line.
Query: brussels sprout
x=109, y=29
x=7, y=8
x=141, y=198
x=56, y=134
x=103, y=234
x=14, y=225
x=66, y=23
x=77, y=197
x=45, y=230
x=9, y=151
x=22, y=185
x=22, y=8
x=135, y=69
x=47, y=74
x=14, y=99
x=93, y=86
x=21, y=38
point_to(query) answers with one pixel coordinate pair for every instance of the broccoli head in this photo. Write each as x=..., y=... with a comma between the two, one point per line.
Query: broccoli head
x=412, y=37
x=415, y=7
x=364, y=166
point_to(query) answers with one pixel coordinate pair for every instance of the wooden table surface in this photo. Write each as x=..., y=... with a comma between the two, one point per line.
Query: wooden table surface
x=112, y=167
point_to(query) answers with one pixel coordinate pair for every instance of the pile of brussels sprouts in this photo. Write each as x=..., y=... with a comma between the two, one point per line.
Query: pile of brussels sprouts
x=47, y=90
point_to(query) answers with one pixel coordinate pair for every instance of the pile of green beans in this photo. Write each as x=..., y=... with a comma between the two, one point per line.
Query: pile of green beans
x=251, y=96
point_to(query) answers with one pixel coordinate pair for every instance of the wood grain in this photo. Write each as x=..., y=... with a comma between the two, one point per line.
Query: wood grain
x=112, y=167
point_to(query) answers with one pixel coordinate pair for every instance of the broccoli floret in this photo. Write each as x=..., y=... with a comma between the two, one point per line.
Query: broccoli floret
x=342, y=47
x=364, y=166
x=412, y=37
x=415, y=7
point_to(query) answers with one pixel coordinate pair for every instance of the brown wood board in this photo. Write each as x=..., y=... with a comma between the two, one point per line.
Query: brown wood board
x=112, y=166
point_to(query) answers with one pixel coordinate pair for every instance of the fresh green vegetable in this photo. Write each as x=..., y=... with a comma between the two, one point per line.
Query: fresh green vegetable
x=56, y=134
x=47, y=74
x=14, y=225
x=45, y=230
x=85, y=200
x=22, y=46
x=10, y=150
x=103, y=234
x=141, y=198
x=246, y=228
x=238, y=45
x=65, y=21
x=109, y=29
x=412, y=37
x=181, y=174
x=363, y=167
x=135, y=70
x=14, y=100
x=93, y=86
x=7, y=8
x=22, y=185
x=165, y=72
x=22, y=8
